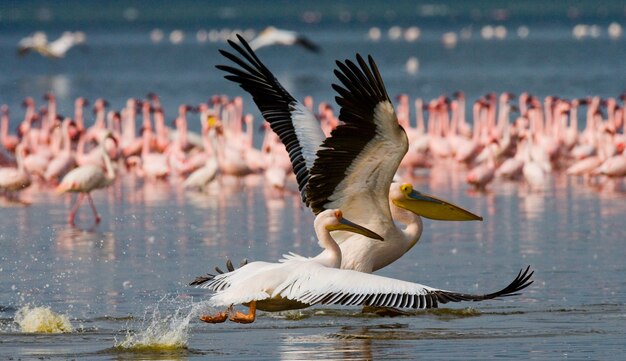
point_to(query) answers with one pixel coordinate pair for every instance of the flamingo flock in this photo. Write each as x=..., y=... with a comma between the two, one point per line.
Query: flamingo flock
x=509, y=138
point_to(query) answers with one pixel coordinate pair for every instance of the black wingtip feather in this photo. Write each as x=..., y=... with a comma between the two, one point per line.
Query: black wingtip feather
x=274, y=102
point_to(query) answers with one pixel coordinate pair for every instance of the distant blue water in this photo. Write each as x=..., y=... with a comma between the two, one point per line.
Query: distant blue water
x=120, y=61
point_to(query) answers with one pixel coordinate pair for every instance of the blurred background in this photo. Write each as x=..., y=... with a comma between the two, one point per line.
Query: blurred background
x=564, y=48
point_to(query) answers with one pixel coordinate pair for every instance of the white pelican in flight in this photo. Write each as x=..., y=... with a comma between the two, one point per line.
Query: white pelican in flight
x=56, y=49
x=272, y=36
x=298, y=282
x=353, y=168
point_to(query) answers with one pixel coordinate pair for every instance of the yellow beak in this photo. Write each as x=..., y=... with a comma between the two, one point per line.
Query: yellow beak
x=435, y=208
x=346, y=225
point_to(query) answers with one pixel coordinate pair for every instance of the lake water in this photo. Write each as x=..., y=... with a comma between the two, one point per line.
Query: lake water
x=123, y=283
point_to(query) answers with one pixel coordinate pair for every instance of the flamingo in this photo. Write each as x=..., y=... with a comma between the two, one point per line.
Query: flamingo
x=481, y=175
x=9, y=141
x=299, y=282
x=64, y=160
x=85, y=179
x=15, y=179
x=153, y=165
x=204, y=175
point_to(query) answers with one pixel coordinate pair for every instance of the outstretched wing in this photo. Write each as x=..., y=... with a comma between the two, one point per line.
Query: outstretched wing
x=356, y=164
x=296, y=126
x=353, y=168
x=352, y=288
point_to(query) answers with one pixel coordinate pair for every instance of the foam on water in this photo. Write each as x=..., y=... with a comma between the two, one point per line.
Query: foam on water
x=42, y=320
x=159, y=331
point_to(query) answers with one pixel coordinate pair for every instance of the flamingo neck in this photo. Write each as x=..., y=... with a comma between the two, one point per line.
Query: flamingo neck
x=217, y=152
x=4, y=130
x=100, y=118
x=107, y=163
x=19, y=159
x=419, y=116
x=66, y=137
x=79, y=117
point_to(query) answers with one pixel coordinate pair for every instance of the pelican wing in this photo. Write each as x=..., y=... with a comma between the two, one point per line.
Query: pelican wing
x=356, y=164
x=351, y=288
x=296, y=126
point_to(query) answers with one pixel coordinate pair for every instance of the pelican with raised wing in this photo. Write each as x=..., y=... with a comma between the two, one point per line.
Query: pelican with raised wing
x=353, y=168
x=299, y=282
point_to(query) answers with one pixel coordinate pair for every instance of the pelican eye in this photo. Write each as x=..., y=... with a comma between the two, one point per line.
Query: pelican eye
x=338, y=214
x=406, y=188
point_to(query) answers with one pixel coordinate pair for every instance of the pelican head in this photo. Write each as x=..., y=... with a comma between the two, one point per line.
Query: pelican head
x=336, y=222
x=404, y=196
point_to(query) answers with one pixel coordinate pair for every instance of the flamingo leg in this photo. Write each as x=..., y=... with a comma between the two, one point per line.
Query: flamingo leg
x=79, y=198
x=218, y=317
x=245, y=318
x=93, y=208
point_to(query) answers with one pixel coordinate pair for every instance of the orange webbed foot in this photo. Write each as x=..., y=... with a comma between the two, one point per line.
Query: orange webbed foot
x=217, y=318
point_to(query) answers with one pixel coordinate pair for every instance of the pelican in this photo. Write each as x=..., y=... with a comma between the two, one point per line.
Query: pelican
x=273, y=36
x=353, y=168
x=299, y=282
x=56, y=49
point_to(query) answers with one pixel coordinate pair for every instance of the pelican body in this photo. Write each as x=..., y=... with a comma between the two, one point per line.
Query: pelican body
x=353, y=168
x=259, y=284
x=298, y=282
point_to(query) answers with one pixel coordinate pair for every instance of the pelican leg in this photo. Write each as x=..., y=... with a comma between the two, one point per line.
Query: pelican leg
x=245, y=318
x=70, y=218
x=217, y=318
x=93, y=208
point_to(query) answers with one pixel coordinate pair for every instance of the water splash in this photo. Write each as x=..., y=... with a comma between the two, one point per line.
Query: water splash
x=161, y=330
x=42, y=320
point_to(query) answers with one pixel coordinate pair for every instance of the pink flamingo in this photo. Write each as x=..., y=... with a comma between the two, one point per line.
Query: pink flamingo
x=93, y=156
x=481, y=175
x=255, y=158
x=416, y=156
x=468, y=149
x=161, y=136
x=9, y=141
x=153, y=165
x=79, y=113
x=98, y=129
x=14, y=179
x=64, y=160
x=131, y=144
x=85, y=179
x=198, y=158
x=534, y=172
x=201, y=177
x=231, y=159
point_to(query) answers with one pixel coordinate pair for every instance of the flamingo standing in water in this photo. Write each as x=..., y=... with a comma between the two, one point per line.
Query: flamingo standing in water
x=64, y=160
x=85, y=179
x=9, y=141
x=14, y=179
